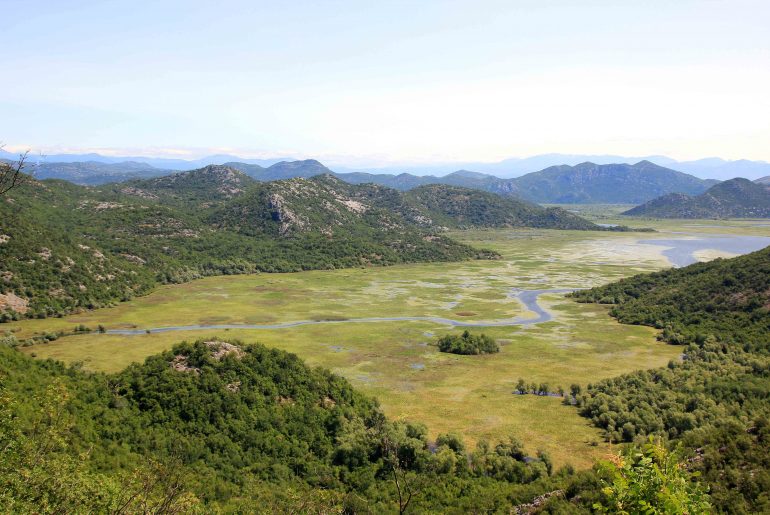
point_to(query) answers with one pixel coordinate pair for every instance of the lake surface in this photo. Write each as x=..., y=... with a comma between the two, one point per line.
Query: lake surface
x=527, y=297
x=681, y=251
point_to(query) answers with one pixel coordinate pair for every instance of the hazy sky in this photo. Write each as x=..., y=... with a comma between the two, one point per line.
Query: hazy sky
x=388, y=81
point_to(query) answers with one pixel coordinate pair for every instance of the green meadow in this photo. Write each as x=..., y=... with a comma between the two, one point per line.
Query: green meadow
x=397, y=361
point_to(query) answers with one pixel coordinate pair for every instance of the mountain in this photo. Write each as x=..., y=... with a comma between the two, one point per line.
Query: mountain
x=213, y=182
x=94, y=172
x=326, y=204
x=584, y=183
x=156, y=162
x=763, y=180
x=716, y=168
x=708, y=168
x=453, y=206
x=588, y=183
x=65, y=247
x=736, y=198
x=281, y=170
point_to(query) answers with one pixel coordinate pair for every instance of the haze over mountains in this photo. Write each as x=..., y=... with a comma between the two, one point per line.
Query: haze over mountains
x=707, y=168
x=583, y=183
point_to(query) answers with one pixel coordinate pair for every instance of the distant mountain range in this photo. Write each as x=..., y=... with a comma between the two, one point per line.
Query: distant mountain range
x=583, y=183
x=708, y=168
x=736, y=198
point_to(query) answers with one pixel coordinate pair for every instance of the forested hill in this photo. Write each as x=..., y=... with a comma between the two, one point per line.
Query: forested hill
x=716, y=399
x=453, y=206
x=728, y=299
x=65, y=247
x=736, y=198
x=212, y=182
x=330, y=205
x=221, y=427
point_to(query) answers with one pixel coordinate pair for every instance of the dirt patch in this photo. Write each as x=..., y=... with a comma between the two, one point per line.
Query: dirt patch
x=12, y=301
x=465, y=313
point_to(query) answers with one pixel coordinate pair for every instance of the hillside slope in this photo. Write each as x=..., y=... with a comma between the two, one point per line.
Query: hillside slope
x=210, y=183
x=715, y=400
x=330, y=205
x=221, y=427
x=65, y=247
x=457, y=207
x=736, y=198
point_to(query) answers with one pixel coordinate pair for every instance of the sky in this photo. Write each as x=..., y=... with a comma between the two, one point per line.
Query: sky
x=387, y=82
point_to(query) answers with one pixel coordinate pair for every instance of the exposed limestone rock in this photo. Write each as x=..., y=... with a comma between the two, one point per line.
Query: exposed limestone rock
x=12, y=301
x=221, y=349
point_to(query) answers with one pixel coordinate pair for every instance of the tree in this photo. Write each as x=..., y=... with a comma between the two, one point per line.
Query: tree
x=651, y=480
x=11, y=174
x=521, y=386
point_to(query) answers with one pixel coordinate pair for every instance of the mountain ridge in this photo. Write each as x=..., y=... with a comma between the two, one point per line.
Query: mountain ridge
x=736, y=198
x=706, y=168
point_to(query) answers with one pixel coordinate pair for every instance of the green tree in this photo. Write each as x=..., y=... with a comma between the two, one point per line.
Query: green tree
x=650, y=480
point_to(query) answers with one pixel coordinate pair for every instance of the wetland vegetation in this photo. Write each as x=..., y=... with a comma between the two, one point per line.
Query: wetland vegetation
x=394, y=361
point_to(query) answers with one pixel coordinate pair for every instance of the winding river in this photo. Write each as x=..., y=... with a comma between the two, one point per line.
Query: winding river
x=679, y=251
x=527, y=297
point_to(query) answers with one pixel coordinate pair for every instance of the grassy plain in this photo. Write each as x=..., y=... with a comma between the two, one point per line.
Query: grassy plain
x=396, y=361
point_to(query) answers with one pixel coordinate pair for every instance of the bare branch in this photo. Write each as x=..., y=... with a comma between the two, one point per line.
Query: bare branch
x=11, y=174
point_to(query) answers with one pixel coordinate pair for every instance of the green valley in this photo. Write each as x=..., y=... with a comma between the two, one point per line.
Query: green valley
x=396, y=361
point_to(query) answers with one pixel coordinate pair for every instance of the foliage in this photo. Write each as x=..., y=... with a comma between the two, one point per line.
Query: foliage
x=468, y=344
x=219, y=426
x=453, y=206
x=715, y=398
x=651, y=480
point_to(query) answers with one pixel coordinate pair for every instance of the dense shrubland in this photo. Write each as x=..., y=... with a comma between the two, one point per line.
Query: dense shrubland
x=218, y=425
x=715, y=399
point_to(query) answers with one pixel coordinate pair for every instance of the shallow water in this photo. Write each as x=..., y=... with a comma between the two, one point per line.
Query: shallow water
x=681, y=251
x=526, y=297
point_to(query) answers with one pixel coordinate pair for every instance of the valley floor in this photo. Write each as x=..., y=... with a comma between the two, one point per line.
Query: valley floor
x=396, y=361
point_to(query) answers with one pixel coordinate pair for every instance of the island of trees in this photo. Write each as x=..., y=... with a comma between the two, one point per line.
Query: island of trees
x=468, y=344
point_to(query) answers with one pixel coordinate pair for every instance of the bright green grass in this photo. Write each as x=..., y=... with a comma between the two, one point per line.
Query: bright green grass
x=395, y=361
